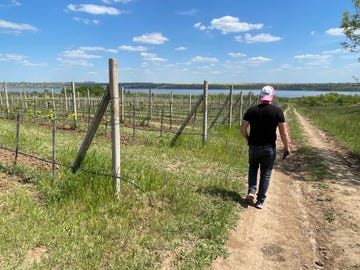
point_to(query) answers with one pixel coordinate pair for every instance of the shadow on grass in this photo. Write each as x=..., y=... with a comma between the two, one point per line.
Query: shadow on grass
x=225, y=195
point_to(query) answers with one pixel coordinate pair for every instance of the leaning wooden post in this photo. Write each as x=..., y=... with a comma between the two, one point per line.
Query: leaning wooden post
x=205, y=111
x=183, y=125
x=95, y=123
x=231, y=105
x=115, y=127
x=74, y=103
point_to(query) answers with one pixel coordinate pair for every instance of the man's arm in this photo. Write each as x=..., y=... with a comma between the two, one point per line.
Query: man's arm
x=243, y=129
x=284, y=134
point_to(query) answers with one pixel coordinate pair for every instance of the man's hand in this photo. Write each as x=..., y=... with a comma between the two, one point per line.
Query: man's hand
x=286, y=153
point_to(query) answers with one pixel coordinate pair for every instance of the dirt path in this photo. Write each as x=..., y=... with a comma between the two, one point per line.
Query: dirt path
x=304, y=225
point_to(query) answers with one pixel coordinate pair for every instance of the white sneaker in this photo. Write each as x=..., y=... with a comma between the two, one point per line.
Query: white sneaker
x=259, y=204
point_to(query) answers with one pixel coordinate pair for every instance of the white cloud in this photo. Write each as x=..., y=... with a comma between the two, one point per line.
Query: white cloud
x=236, y=55
x=18, y=59
x=229, y=24
x=86, y=21
x=15, y=3
x=94, y=9
x=152, y=57
x=313, y=59
x=16, y=28
x=77, y=62
x=204, y=59
x=260, y=38
x=336, y=51
x=181, y=48
x=12, y=3
x=101, y=49
x=258, y=60
x=200, y=26
x=151, y=38
x=81, y=54
x=115, y=1
x=335, y=32
x=132, y=48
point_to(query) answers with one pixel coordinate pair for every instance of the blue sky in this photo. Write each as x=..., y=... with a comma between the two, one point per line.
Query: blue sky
x=175, y=41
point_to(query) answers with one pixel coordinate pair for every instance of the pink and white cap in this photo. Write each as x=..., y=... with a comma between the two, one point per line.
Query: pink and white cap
x=267, y=93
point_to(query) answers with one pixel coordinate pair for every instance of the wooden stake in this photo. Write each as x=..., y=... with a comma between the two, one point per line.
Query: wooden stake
x=115, y=130
x=205, y=112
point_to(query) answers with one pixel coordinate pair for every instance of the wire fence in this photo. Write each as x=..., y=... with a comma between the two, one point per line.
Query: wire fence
x=156, y=113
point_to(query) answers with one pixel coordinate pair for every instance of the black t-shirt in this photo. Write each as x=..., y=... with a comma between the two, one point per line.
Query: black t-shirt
x=264, y=119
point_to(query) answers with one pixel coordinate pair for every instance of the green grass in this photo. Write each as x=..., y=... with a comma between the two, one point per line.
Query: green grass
x=191, y=199
x=312, y=164
x=338, y=115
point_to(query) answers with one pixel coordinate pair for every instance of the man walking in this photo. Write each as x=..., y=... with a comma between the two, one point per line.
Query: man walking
x=263, y=119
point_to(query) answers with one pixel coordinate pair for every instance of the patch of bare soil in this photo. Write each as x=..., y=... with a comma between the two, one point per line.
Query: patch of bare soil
x=304, y=225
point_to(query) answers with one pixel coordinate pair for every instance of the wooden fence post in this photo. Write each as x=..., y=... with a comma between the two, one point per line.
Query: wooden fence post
x=122, y=105
x=65, y=100
x=115, y=130
x=53, y=100
x=54, y=147
x=74, y=103
x=150, y=105
x=231, y=105
x=17, y=137
x=241, y=107
x=134, y=122
x=190, y=102
x=205, y=112
x=25, y=99
x=171, y=108
x=162, y=120
x=6, y=98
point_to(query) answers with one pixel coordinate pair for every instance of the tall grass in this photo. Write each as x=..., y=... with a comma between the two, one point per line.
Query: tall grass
x=192, y=194
x=313, y=167
x=339, y=115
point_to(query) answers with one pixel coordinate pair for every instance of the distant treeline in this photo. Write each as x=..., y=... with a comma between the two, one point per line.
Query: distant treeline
x=243, y=86
x=250, y=86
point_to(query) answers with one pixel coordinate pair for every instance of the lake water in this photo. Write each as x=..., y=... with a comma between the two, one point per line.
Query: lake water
x=279, y=93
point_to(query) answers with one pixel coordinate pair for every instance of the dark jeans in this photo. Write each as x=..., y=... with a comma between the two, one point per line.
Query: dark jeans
x=263, y=157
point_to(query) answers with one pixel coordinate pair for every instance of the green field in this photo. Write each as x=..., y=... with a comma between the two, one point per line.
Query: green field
x=336, y=114
x=191, y=195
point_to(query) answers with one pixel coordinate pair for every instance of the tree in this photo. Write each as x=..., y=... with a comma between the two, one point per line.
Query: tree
x=351, y=25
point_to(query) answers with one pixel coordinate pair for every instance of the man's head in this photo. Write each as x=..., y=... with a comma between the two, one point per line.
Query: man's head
x=267, y=94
